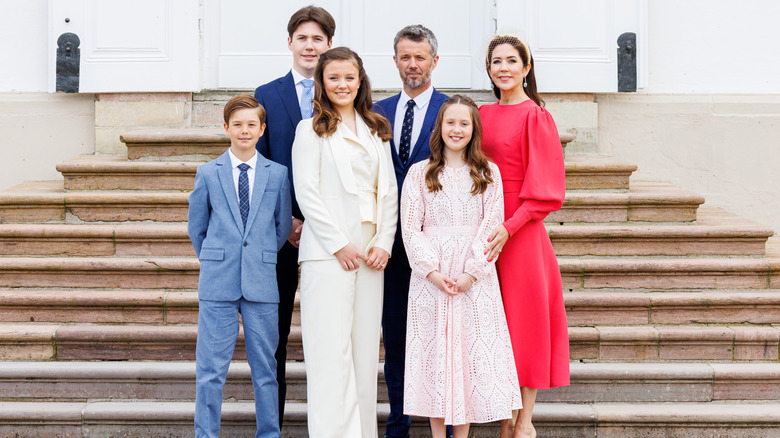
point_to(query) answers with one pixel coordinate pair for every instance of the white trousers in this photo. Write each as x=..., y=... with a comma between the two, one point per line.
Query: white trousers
x=341, y=313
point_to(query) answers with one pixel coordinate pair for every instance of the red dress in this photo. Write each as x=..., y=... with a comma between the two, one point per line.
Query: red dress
x=523, y=141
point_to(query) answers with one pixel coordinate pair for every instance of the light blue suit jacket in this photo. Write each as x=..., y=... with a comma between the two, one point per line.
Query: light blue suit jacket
x=237, y=262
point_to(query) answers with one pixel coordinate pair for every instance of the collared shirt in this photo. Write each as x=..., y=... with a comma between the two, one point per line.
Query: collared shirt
x=250, y=173
x=297, y=78
x=420, y=107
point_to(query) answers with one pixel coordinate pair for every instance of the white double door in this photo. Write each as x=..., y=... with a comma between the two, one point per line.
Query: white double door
x=189, y=45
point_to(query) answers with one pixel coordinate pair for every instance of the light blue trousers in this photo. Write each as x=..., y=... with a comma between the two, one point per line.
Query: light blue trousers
x=217, y=333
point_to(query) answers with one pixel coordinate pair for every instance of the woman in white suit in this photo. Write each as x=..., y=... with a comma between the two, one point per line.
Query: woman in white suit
x=346, y=189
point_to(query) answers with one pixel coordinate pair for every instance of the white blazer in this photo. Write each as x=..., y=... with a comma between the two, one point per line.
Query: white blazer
x=327, y=194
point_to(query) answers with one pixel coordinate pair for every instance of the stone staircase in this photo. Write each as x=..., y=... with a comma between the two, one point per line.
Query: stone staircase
x=674, y=308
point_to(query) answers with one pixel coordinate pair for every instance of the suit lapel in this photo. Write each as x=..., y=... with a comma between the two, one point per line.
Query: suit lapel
x=338, y=148
x=286, y=90
x=225, y=175
x=261, y=180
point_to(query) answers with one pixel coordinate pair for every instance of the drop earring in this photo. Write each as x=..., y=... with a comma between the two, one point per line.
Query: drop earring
x=525, y=83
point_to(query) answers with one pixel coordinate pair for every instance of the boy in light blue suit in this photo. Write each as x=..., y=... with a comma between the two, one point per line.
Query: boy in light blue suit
x=238, y=219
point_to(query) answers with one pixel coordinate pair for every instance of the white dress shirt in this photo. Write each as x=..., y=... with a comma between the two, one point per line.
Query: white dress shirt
x=250, y=173
x=297, y=78
x=420, y=107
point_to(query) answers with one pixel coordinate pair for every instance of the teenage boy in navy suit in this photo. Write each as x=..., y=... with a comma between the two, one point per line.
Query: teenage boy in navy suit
x=412, y=114
x=239, y=217
x=288, y=101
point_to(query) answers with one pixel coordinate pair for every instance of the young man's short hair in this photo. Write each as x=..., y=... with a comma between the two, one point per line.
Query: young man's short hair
x=315, y=14
x=243, y=101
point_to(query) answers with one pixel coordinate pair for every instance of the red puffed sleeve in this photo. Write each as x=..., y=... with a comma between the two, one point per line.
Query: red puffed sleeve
x=544, y=187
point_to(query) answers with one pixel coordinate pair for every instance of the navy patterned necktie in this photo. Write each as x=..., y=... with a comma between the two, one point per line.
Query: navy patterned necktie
x=306, y=96
x=406, y=133
x=243, y=192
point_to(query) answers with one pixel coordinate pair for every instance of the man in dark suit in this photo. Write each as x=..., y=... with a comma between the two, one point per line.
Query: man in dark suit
x=412, y=114
x=287, y=101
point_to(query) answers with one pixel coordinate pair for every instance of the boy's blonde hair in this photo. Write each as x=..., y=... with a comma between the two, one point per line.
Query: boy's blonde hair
x=243, y=101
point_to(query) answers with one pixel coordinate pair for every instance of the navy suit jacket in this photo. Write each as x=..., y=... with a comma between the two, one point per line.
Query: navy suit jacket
x=421, y=151
x=238, y=261
x=283, y=112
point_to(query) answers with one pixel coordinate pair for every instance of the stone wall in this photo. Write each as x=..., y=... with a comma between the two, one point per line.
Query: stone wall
x=40, y=130
x=724, y=147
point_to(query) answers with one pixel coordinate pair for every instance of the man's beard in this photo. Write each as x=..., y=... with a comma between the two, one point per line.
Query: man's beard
x=421, y=80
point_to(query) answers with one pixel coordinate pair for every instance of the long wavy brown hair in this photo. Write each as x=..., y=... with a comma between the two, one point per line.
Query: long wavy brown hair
x=473, y=155
x=525, y=55
x=326, y=118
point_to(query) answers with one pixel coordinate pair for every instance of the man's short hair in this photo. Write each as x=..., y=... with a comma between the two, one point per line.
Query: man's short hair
x=315, y=14
x=243, y=101
x=417, y=33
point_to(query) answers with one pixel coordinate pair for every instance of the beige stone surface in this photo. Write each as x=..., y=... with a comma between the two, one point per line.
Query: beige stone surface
x=141, y=114
x=615, y=308
x=41, y=129
x=579, y=118
x=721, y=146
x=27, y=341
x=107, y=140
x=144, y=97
x=126, y=306
x=207, y=114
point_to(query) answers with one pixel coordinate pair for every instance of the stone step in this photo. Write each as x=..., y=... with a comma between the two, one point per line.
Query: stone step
x=644, y=202
x=99, y=272
x=670, y=273
x=577, y=273
x=123, y=306
x=115, y=172
x=592, y=172
x=674, y=343
x=588, y=308
x=157, y=419
x=194, y=144
x=191, y=144
x=604, y=343
x=131, y=239
x=715, y=232
x=590, y=382
x=48, y=202
x=583, y=308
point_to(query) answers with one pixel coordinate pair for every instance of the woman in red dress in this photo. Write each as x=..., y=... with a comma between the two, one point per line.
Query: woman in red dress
x=521, y=138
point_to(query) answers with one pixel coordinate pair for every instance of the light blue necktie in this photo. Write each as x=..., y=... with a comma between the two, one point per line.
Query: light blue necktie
x=306, y=98
x=243, y=192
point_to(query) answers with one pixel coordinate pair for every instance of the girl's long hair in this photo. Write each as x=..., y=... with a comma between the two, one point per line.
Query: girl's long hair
x=326, y=118
x=525, y=55
x=476, y=160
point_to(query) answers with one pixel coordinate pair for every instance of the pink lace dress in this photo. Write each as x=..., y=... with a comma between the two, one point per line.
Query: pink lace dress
x=459, y=362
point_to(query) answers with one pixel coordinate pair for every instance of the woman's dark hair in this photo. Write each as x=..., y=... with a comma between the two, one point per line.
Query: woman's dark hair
x=525, y=55
x=326, y=118
x=479, y=168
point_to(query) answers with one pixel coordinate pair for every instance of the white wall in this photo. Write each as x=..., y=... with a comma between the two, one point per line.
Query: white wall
x=24, y=33
x=713, y=46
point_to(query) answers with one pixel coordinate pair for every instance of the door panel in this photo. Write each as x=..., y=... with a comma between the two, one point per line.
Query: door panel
x=143, y=45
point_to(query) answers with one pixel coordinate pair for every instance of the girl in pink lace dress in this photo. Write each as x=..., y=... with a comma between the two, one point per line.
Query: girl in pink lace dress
x=459, y=364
